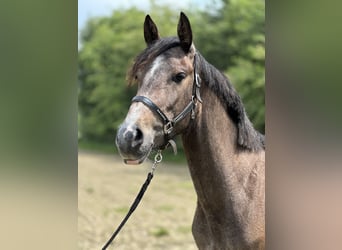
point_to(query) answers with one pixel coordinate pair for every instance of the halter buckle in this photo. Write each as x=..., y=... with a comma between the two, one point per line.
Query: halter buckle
x=168, y=127
x=198, y=81
x=196, y=90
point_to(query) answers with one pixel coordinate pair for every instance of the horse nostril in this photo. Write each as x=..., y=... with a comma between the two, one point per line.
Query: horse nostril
x=138, y=138
x=139, y=135
x=128, y=135
x=129, y=138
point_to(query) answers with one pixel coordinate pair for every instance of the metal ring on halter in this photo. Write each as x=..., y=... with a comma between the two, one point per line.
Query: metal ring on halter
x=158, y=158
x=168, y=127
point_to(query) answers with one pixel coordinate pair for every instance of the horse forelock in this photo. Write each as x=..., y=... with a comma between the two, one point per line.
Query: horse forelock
x=149, y=54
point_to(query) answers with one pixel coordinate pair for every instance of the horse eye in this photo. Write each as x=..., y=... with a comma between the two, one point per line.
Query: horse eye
x=178, y=77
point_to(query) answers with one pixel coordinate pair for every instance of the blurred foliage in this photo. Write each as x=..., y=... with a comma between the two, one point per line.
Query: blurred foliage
x=231, y=38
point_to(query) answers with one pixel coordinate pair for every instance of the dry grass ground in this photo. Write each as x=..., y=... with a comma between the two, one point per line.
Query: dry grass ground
x=106, y=189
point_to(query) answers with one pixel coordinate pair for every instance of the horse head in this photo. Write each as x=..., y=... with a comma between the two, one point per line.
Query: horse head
x=168, y=89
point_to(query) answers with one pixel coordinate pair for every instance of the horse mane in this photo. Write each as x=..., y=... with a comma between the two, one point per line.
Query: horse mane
x=248, y=138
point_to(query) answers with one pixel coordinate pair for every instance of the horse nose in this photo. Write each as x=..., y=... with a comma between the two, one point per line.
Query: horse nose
x=129, y=138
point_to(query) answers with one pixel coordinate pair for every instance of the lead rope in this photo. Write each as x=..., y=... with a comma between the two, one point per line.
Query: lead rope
x=157, y=159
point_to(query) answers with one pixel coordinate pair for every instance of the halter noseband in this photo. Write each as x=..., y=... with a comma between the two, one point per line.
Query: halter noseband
x=169, y=124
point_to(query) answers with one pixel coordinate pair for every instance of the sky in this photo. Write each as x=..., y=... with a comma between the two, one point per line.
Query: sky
x=95, y=8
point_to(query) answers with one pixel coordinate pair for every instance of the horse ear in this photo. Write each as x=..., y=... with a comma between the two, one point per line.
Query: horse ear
x=150, y=31
x=184, y=32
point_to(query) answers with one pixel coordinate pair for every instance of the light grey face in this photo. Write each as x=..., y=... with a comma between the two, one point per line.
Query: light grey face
x=168, y=83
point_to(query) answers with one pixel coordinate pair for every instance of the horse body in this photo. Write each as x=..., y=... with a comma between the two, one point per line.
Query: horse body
x=225, y=153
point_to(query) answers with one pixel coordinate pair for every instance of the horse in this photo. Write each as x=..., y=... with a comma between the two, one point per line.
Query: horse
x=180, y=93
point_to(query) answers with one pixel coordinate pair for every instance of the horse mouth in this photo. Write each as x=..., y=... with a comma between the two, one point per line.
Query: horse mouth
x=137, y=161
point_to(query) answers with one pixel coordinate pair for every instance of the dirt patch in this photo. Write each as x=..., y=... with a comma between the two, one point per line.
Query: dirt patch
x=106, y=189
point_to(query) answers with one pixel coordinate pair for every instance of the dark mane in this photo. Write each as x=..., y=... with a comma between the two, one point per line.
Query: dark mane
x=248, y=138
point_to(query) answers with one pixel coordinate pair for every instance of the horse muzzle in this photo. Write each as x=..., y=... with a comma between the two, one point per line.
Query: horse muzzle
x=130, y=143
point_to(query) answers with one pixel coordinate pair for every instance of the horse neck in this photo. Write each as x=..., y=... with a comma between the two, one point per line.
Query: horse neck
x=217, y=165
x=208, y=143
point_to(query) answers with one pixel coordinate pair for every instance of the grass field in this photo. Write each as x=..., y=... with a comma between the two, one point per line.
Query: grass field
x=107, y=188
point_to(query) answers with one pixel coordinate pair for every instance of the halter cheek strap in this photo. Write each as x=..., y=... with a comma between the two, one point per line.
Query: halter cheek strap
x=169, y=124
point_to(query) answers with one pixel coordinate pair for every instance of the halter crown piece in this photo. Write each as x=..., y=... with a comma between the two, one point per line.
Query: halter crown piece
x=170, y=124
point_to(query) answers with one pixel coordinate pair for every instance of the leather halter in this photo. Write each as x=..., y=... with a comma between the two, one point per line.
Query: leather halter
x=170, y=124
